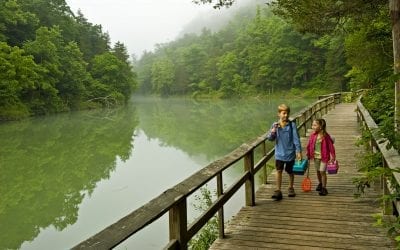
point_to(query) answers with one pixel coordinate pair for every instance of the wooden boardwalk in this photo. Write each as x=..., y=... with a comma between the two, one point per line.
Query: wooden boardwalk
x=310, y=221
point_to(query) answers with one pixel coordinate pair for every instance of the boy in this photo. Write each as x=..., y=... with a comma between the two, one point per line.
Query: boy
x=287, y=148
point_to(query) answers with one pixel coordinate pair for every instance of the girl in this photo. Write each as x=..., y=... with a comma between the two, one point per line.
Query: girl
x=320, y=149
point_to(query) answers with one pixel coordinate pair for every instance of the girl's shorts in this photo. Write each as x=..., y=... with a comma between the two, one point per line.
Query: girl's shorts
x=319, y=165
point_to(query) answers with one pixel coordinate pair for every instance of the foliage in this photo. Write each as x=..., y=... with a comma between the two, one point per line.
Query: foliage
x=209, y=233
x=217, y=4
x=364, y=32
x=47, y=56
x=256, y=54
x=370, y=165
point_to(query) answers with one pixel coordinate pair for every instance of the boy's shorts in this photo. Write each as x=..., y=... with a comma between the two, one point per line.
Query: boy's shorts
x=287, y=165
x=319, y=165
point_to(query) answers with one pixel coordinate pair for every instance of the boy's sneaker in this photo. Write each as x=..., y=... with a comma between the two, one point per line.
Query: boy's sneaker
x=291, y=192
x=323, y=191
x=319, y=187
x=277, y=195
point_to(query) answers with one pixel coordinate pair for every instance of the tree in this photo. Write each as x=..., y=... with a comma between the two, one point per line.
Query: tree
x=120, y=51
x=395, y=16
x=162, y=75
x=91, y=39
x=46, y=50
x=114, y=77
x=19, y=74
x=75, y=80
x=315, y=16
x=16, y=25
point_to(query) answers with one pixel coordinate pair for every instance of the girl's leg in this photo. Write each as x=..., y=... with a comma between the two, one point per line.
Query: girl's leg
x=319, y=176
x=324, y=178
x=317, y=164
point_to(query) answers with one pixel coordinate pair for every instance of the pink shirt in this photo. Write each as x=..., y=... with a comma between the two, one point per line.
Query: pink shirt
x=327, y=148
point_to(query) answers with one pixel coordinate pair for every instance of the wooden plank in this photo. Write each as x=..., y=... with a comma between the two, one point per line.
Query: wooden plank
x=310, y=221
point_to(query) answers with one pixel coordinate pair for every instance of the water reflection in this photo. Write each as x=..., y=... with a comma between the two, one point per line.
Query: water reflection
x=52, y=169
x=208, y=128
x=48, y=165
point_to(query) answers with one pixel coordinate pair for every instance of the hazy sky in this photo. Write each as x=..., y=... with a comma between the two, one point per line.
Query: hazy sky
x=140, y=24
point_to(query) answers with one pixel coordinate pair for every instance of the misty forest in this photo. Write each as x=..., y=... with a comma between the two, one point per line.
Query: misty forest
x=55, y=61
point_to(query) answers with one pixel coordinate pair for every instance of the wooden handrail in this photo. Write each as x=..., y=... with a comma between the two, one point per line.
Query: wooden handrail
x=174, y=199
x=390, y=157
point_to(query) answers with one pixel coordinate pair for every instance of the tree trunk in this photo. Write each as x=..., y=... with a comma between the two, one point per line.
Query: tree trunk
x=394, y=6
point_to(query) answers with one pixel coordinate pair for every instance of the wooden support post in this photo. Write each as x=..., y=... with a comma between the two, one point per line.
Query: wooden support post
x=264, y=169
x=220, y=191
x=178, y=224
x=387, y=204
x=249, y=185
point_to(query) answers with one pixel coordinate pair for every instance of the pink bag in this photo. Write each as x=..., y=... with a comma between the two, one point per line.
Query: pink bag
x=333, y=167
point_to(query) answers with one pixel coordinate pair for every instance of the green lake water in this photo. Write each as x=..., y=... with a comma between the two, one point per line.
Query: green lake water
x=65, y=177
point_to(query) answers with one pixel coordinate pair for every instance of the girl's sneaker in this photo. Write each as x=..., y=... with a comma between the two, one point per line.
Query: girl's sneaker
x=323, y=191
x=277, y=195
x=291, y=192
x=319, y=187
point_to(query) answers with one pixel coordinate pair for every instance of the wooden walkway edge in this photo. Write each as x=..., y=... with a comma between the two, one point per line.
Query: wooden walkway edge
x=310, y=221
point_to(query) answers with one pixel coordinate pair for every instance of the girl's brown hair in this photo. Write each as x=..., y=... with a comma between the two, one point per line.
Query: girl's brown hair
x=322, y=123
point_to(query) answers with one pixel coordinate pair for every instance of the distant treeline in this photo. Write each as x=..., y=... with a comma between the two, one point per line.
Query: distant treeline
x=256, y=53
x=52, y=61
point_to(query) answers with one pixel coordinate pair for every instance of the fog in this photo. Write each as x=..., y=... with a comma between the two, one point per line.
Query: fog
x=141, y=24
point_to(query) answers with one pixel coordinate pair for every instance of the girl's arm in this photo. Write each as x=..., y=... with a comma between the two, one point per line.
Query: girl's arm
x=331, y=148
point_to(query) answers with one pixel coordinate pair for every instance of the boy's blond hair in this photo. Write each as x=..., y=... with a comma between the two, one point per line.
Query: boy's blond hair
x=283, y=107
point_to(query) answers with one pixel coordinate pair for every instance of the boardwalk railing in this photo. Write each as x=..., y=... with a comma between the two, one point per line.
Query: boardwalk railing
x=390, y=157
x=174, y=200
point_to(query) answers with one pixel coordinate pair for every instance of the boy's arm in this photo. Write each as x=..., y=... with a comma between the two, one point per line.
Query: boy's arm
x=271, y=135
x=296, y=140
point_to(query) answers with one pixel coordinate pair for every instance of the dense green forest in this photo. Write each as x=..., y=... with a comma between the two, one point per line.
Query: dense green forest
x=256, y=53
x=307, y=47
x=52, y=61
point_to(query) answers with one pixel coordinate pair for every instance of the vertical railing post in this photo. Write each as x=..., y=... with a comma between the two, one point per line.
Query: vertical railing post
x=178, y=224
x=249, y=185
x=264, y=168
x=387, y=204
x=220, y=191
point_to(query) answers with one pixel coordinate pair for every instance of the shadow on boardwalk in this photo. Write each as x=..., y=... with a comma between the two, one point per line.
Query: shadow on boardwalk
x=310, y=221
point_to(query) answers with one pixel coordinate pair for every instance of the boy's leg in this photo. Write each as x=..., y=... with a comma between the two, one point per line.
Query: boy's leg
x=279, y=167
x=278, y=179
x=289, y=170
x=291, y=180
